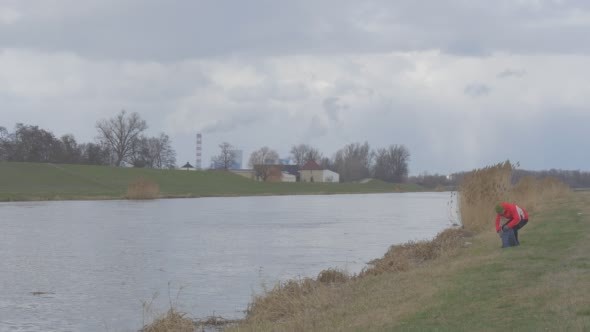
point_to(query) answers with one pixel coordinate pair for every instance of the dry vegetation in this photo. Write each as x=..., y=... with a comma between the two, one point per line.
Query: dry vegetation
x=142, y=188
x=171, y=321
x=299, y=304
x=411, y=254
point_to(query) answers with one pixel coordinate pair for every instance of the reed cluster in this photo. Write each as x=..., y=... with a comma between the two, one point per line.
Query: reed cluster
x=142, y=188
x=483, y=188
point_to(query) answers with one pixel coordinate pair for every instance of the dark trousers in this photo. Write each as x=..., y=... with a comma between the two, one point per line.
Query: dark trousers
x=518, y=226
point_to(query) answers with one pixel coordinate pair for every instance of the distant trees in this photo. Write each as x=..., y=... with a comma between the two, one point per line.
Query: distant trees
x=120, y=134
x=153, y=152
x=119, y=142
x=391, y=164
x=70, y=152
x=303, y=153
x=353, y=162
x=431, y=180
x=95, y=154
x=225, y=158
x=573, y=178
x=262, y=160
x=29, y=144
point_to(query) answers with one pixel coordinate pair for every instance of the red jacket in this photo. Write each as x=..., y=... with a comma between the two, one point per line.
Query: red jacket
x=513, y=213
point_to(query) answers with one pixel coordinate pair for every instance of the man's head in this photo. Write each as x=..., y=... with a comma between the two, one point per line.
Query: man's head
x=499, y=209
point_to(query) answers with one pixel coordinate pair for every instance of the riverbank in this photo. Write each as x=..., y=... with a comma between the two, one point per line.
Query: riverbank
x=541, y=285
x=38, y=182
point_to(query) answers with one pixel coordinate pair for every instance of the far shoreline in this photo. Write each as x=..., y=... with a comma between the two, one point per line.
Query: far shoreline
x=60, y=198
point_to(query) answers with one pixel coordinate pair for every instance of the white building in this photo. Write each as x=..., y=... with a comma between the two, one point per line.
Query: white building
x=329, y=176
x=312, y=172
x=286, y=177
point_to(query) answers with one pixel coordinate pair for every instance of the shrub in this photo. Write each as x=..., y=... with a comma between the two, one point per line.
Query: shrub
x=331, y=276
x=171, y=321
x=143, y=188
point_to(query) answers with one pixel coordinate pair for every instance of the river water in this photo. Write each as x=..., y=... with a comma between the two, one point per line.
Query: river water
x=98, y=262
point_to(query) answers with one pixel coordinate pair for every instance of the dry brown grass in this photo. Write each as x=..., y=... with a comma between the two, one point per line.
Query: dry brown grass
x=331, y=276
x=300, y=298
x=143, y=188
x=172, y=321
x=411, y=254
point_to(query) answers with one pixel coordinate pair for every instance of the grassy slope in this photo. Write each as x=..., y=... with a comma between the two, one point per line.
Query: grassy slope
x=542, y=285
x=32, y=181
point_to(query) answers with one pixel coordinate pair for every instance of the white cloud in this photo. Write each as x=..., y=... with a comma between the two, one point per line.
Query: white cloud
x=414, y=98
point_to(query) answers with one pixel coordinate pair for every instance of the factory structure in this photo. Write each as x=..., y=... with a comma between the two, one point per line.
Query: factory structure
x=199, y=159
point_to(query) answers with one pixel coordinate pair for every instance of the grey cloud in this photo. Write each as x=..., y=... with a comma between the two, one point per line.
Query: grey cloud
x=179, y=29
x=333, y=107
x=477, y=90
x=507, y=73
x=317, y=127
x=233, y=122
x=269, y=90
x=467, y=48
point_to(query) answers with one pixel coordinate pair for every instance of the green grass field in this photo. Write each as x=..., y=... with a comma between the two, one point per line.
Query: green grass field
x=34, y=181
x=542, y=285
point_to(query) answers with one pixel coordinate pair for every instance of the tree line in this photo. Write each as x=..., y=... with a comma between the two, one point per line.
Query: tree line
x=120, y=142
x=353, y=162
x=572, y=178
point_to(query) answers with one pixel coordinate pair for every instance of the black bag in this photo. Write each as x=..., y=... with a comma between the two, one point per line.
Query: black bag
x=508, y=238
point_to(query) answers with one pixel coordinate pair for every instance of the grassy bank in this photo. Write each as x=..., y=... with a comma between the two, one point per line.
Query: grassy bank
x=33, y=181
x=542, y=285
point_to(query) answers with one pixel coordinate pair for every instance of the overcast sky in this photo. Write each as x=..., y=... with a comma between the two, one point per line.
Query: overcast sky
x=462, y=84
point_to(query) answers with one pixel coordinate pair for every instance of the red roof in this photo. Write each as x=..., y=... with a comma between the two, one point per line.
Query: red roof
x=311, y=166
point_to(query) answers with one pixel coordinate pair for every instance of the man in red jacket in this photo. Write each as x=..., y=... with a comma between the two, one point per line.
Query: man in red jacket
x=517, y=218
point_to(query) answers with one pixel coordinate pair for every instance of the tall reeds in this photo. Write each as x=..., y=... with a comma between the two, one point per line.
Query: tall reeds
x=482, y=189
x=142, y=188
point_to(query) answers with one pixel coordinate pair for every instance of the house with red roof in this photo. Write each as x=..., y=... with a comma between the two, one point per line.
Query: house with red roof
x=312, y=172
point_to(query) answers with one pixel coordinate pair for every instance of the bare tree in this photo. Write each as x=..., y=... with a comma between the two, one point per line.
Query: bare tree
x=303, y=153
x=353, y=162
x=225, y=158
x=391, y=164
x=262, y=161
x=120, y=134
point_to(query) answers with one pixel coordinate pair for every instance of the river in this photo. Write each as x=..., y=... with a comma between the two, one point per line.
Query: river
x=92, y=265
